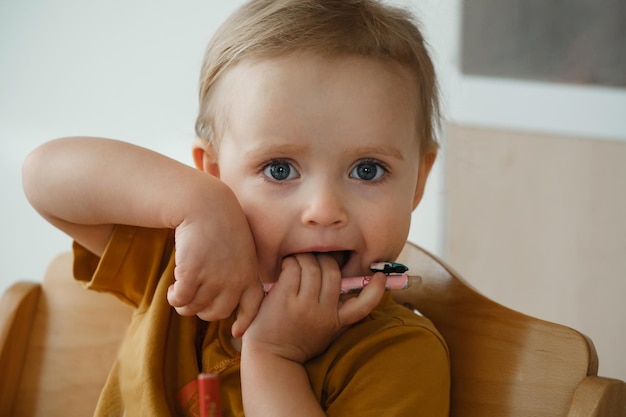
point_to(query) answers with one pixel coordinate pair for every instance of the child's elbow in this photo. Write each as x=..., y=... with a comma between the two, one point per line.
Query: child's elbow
x=37, y=173
x=30, y=172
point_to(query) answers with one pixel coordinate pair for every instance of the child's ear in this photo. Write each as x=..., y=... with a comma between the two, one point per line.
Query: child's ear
x=205, y=157
x=426, y=164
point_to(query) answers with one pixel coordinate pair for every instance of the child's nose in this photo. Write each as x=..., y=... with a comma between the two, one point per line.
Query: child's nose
x=325, y=207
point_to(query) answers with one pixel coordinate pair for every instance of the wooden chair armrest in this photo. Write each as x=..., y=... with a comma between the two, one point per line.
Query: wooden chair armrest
x=17, y=312
x=599, y=397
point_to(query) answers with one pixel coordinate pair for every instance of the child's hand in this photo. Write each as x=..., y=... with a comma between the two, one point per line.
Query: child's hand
x=216, y=268
x=300, y=316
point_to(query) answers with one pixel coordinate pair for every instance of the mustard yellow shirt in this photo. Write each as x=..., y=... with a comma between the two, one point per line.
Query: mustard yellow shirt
x=392, y=363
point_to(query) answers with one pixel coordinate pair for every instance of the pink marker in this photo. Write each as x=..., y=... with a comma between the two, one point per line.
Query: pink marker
x=356, y=284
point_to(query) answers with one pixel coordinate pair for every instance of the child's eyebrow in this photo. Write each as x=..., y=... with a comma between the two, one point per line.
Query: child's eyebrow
x=390, y=151
x=290, y=149
x=274, y=150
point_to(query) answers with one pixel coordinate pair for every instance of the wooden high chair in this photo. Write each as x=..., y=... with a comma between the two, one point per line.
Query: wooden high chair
x=57, y=342
x=505, y=363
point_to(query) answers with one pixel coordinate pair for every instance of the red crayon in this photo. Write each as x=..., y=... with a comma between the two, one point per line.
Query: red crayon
x=209, y=390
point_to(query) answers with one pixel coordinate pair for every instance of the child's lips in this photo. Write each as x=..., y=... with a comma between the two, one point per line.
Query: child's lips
x=341, y=257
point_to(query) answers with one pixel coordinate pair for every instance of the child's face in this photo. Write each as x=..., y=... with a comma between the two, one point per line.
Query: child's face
x=323, y=156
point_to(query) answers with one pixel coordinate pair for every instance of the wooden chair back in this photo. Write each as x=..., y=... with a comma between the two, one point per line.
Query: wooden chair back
x=58, y=342
x=505, y=363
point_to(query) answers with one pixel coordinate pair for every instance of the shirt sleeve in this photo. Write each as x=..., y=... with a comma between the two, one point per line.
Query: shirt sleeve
x=133, y=260
x=394, y=381
x=397, y=367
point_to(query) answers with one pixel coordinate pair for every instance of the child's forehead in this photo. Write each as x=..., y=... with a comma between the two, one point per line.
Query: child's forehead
x=312, y=98
x=302, y=78
x=267, y=75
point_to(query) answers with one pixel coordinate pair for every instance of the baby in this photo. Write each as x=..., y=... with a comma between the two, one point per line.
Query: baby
x=315, y=141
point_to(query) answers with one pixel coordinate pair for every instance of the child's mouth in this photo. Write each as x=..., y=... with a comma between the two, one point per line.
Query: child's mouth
x=341, y=257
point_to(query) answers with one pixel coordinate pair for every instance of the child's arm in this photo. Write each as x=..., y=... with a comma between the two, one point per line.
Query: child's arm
x=296, y=322
x=84, y=186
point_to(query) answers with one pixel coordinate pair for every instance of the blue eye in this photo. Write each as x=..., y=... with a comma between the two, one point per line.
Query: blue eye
x=280, y=171
x=368, y=171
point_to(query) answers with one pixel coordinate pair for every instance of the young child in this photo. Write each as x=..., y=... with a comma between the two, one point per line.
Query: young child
x=315, y=141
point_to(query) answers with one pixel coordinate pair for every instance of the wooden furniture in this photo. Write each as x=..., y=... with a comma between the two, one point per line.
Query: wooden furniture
x=505, y=363
x=57, y=342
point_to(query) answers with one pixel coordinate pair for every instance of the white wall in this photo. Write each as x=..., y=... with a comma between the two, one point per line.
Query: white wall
x=118, y=69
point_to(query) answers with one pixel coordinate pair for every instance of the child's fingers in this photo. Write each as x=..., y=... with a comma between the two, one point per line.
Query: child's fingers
x=212, y=307
x=185, y=311
x=357, y=308
x=249, y=305
x=331, y=281
x=180, y=293
x=217, y=308
x=311, y=274
x=191, y=308
x=289, y=278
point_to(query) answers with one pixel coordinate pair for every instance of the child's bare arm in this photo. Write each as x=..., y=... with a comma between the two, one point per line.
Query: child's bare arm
x=297, y=321
x=84, y=186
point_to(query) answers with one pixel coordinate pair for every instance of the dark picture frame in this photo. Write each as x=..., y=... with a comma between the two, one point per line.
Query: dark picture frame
x=566, y=41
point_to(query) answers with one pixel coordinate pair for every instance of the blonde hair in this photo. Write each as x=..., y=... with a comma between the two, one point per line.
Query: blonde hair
x=268, y=28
